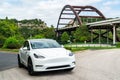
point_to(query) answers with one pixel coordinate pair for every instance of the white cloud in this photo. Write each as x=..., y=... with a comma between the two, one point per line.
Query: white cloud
x=47, y=10
x=110, y=3
x=111, y=8
x=51, y=9
x=110, y=12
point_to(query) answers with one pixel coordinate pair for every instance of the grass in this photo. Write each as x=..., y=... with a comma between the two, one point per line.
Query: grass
x=9, y=50
x=69, y=48
x=87, y=48
x=79, y=47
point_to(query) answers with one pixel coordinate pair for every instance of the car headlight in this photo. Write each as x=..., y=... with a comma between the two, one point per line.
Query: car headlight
x=71, y=54
x=38, y=56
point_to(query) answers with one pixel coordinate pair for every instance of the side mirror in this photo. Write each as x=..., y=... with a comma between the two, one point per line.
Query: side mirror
x=24, y=48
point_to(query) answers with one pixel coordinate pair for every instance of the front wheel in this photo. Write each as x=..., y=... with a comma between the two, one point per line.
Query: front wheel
x=30, y=67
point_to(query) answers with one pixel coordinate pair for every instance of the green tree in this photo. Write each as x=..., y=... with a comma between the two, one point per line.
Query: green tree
x=49, y=32
x=8, y=28
x=39, y=36
x=2, y=40
x=64, y=37
x=82, y=34
x=25, y=32
x=11, y=43
x=77, y=35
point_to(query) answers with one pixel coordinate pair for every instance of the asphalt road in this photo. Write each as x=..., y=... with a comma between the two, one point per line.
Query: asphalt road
x=7, y=60
x=90, y=65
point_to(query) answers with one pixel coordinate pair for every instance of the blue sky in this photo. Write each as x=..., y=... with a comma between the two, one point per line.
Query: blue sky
x=49, y=10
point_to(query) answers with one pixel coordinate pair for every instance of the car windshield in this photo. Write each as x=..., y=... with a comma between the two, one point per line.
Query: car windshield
x=44, y=44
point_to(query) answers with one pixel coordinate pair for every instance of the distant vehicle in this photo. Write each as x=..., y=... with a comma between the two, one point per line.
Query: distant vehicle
x=40, y=55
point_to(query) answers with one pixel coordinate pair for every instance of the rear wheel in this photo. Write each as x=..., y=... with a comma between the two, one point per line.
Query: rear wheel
x=30, y=67
x=20, y=65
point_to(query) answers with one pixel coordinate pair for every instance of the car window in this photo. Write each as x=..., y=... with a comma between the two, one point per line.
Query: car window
x=26, y=44
x=44, y=44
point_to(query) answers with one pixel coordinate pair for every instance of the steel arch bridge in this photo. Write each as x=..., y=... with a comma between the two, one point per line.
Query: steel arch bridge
x=76, y=11
x=72, y=17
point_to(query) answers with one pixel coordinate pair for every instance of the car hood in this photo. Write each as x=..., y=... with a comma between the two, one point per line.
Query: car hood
x=52, y=52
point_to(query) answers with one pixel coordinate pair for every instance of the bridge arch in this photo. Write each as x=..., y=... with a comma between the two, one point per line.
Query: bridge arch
x=76, y=11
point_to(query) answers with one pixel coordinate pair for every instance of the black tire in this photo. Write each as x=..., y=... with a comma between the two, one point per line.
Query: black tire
x=30, y=67
x=20, y=65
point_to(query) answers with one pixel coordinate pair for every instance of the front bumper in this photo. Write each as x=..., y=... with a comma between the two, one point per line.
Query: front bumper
x=41, y=65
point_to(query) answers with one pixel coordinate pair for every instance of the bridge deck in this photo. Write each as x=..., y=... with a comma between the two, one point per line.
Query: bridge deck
x=105, y=23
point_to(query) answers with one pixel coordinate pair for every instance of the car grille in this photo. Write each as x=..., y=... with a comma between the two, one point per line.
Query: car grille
x=54, y=67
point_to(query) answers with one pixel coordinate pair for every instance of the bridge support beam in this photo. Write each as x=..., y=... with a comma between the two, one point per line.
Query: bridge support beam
x=99, y=35
x=114, y=34
x=91, y=36
x=107, y=35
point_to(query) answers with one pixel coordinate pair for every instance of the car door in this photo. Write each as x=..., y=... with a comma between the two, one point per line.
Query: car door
x=25, y=52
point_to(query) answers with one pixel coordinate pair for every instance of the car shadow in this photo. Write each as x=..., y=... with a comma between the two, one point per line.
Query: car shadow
x=51, y=73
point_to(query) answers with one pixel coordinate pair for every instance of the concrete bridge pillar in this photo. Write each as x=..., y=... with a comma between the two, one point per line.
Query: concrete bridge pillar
x=114, y=34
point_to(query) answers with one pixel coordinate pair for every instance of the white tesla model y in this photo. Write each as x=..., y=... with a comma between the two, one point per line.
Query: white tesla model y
x=40, y=55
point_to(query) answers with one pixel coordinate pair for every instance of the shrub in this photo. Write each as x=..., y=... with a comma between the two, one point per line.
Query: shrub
x=118, y=44
x=2, y=40
x=20, y=39
x=38, y=36
x=64, y=37
x=11, y=43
